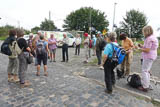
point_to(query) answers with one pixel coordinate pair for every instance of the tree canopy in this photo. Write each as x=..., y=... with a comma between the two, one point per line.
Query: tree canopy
x=47, y=25
x=133, y=23
x=80, y=20
x=35, y=29
x=5, y=29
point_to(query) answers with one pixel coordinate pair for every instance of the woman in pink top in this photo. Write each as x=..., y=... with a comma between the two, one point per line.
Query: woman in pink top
x=149, y=54
x=52, y=47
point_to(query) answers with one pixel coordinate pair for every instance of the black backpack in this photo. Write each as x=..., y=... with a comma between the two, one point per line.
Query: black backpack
x=102, y=44
x=5, y=47
x=134, y=81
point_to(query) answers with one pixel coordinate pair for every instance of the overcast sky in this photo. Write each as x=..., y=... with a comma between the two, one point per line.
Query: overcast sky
x=30, y=13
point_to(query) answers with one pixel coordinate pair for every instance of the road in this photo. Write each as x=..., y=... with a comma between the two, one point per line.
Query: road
x=64, y=87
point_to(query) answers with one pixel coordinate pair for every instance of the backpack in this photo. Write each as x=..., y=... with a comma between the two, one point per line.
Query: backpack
x=15, y=49
x=90, y=43
x=118, y=55
x=102, y=44
x=41, y=50
x=134, y=81
x=5, y=47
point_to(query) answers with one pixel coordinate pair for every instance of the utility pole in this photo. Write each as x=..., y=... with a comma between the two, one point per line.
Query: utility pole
x=90, y=21
x=18, y=22
x=114, y=12
x=49, y=15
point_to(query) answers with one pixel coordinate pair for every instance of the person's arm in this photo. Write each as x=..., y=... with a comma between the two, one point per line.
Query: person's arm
x=28, y=49
x=147, y=47
x=104, y=59
x=145, y=50
x=47, y=48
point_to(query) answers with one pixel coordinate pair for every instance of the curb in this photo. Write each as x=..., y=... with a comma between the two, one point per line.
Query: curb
x=122, y=89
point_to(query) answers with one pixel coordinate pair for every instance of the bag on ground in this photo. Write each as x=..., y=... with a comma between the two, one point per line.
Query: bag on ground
x=134, y=81
x=41, y=50
x=5, y=47
x=118, y=55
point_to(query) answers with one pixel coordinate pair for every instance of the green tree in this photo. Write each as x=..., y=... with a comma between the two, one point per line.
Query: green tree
x=133, y=23
x=35, y=29
x=5, y=29
x=47, y=25
x=80, y=20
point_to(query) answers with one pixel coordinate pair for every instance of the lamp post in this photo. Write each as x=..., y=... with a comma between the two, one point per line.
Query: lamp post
x=90, y=24
x=114, y=12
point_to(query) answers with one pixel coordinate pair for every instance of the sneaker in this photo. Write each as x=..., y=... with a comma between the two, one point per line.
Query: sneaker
x=85, y=62
x=62, y=61
x=107, y=91
x=101, y=67
x=150, y=87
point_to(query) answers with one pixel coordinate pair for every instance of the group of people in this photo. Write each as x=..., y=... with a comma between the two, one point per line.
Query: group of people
x=149, y=54
x=42, y=48
x=38, y=47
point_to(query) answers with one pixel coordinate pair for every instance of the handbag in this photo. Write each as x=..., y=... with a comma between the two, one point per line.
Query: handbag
x=30, y=59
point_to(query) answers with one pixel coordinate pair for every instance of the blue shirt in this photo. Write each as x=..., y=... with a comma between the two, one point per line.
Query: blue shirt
x=108, y=50
x=94, y=41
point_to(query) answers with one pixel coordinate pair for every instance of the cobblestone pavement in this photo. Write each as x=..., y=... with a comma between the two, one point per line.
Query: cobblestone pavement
x=62, y=88
x=95, y=73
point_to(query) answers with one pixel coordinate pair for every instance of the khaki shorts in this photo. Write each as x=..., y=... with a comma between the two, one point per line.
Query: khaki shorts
x=52, y=51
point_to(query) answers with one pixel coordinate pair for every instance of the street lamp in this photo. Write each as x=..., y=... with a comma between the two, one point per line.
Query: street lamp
x=114, y=12
x=90, y=21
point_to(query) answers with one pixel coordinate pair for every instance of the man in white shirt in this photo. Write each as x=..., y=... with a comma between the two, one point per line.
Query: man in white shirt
x=78, y=44
x=65, y=48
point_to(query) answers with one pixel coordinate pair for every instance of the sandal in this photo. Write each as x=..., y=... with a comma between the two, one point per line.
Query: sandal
x=38, y=73
x=25, y=84
x=46, y=73
x=10, y=79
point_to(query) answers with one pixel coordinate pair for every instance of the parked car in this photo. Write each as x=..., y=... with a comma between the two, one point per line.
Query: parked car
x=59, y=37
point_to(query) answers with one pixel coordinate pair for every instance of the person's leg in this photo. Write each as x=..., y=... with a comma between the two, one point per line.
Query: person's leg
x=146, y=67
x=51, y=55
x=89, y=52
x=98, y=57
x=86, y=53
x=123, y=65
x=45, y=65
x=67, y=53
x=54, y=55
x=79, y=49
x=22, y=68
x=9, y=69
x=76, y=49
x=63, y=53
x=113, y=77
x=15, y=72
x=38, y=65
x=108, y=79
x=128, y=63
